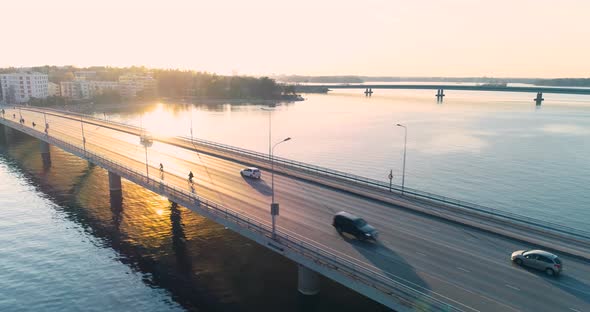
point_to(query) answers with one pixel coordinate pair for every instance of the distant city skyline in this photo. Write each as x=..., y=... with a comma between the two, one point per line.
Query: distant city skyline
x=425, y=38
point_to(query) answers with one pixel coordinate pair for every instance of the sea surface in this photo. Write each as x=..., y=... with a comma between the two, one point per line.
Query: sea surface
x=64, y=248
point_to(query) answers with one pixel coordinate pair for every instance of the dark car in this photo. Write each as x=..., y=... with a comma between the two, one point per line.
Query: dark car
x=345, y=222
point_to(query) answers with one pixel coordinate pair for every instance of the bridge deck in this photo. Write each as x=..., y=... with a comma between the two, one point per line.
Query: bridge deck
x=532, y=89
x=463, y=266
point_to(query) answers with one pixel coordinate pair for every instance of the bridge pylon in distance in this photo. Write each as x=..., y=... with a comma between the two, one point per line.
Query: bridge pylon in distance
x=539, y=99
x=368, y=91
x=440, y=93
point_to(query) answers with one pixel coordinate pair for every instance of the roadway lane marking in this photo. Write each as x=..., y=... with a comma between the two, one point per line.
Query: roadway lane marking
x=575, y=310
x=462, y=269
x=421, y=254
x=513, y=287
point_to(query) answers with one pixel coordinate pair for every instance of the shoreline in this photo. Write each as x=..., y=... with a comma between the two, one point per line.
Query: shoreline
x=96, y=107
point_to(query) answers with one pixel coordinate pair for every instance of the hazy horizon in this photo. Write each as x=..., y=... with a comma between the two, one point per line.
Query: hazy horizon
x=426, y=38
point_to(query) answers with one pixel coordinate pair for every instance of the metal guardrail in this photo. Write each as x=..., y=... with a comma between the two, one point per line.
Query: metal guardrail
x=407, y=192
x=381, y=185
x=391, y=286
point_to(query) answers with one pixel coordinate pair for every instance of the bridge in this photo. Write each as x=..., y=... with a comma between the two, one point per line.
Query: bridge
x=433, y=254
x=368, y=89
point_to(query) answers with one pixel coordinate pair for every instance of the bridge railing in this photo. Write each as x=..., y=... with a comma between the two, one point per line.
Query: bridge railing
x=407, y=192
x=377, y=184
x=387, y=284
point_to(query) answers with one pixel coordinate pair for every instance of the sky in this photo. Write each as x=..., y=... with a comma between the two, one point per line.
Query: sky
x=453, y=38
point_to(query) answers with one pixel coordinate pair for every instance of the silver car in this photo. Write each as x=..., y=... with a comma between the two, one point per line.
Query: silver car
x=251, y=172
x=538, y=259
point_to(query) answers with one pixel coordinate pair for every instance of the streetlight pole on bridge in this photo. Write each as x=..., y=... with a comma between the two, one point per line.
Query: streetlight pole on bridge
x=83, y=136
x=274, y=207
x=269, y=110
x=404, y=164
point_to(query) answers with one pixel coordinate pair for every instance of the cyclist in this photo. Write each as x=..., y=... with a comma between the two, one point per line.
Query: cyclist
x=190, y=176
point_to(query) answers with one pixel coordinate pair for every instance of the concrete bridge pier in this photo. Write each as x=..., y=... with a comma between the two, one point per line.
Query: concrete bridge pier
x=44, y=146
x=440, y=93
x=7, y=133
x=115, y=190
x=539, y=99
x=308, y=281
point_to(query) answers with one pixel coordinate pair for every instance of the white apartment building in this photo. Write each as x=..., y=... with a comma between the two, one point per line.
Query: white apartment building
x=20, y=87
x=53, y=89
x=83, y=90
x=76, y=90
x=84, y=75
x=131, y=85
x=99, y=87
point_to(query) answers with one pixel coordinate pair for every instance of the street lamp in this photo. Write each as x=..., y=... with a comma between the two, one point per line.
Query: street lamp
x=274, y=207
x=146, y=140
x=46, y=124
x=405, y=144
x=83, y=136
x=192, y=124
x=269, y=110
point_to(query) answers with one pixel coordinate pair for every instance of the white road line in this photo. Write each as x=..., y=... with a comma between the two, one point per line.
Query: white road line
x=513, y=287
x=462, y=269
x=575, y=310
x=421, y=254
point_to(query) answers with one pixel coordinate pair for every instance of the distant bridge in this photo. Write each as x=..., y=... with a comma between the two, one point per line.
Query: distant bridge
x=533, y=89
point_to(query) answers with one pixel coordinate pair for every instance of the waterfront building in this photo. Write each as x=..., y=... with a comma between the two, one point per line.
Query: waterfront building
x=84, y=75
x=100, y=87
x=75, y=90
x=132, y=85
x=84, y=90
x=53, y=89
x=22, y=86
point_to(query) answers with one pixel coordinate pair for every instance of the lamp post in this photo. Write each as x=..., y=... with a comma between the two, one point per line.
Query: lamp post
x=404, y=165
x=192, y=140
x=83, y=136
x=269, y=110
x=146, y=140
x=46, y=124
x=274, y=207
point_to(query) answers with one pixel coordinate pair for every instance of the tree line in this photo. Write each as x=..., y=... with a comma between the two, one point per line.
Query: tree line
x=179, y=83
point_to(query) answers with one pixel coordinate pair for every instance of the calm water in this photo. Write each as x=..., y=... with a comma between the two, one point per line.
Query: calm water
x=65, y=249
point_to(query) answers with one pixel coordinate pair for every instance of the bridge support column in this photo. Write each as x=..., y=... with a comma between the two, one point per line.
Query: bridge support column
x=114, y=182
x=7, y=132
x=308, y=281
x=440, y=93
x=44, y=147
x=368, y=91
x=539, y=99
x=115, y=190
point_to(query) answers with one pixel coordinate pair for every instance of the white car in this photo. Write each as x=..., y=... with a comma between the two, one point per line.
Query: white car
x=251, y=173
